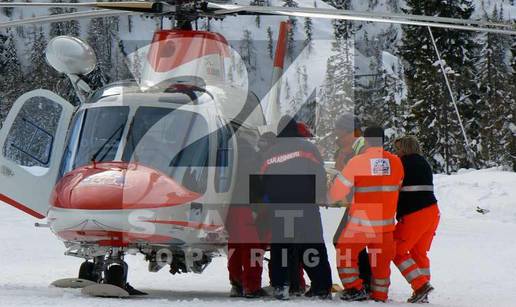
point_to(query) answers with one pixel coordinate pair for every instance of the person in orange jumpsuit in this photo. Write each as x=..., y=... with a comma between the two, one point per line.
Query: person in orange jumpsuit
x=350, y=143
x=374, y=177
x=418, y=218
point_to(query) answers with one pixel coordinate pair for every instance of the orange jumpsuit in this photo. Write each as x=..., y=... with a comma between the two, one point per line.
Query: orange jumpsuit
x=418, y=216
x=414, y=234
x=374, y=177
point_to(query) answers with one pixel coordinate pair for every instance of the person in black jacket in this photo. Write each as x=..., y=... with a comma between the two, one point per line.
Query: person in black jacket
x=294, y=182
x=418, y=218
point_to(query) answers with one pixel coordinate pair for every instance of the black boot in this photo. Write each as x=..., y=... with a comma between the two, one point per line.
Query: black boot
x=236, y=291
x=321, y=294
x=281, y=293
x=352, y=295
x=421, y=294
x=297, y=291
x=256, y=294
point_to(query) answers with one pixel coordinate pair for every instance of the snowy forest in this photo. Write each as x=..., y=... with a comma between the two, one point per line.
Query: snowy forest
x=394, y=80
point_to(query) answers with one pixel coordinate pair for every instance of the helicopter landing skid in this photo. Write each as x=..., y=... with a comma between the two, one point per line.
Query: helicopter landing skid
x=72, y=283
x=104, y=290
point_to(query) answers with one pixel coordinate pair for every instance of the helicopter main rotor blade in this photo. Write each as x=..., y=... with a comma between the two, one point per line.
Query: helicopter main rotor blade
x=131, y=6
x=375, y=14
x=415, y=20
x=65, y=17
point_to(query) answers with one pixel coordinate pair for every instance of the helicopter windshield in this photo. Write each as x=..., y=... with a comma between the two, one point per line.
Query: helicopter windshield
x=95, y=135
x=176, y=142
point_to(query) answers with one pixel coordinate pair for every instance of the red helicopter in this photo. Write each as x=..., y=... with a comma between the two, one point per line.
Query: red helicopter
x=147, y=167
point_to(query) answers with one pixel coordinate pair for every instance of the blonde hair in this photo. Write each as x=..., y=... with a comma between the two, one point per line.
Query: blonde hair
x=409, y=145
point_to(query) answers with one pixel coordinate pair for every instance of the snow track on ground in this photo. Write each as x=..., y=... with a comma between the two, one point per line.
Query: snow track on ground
x=473, y=258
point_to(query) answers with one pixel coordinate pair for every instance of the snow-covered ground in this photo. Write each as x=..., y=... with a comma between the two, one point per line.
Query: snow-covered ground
x=473, y=257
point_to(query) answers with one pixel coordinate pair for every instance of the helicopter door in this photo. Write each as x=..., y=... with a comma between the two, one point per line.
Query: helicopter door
x=31, y=143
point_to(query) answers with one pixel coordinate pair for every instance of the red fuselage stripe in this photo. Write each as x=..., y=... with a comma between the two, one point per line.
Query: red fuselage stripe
x=21, y=207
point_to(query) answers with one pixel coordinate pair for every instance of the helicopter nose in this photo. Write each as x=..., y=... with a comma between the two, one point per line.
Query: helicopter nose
x=118, y=186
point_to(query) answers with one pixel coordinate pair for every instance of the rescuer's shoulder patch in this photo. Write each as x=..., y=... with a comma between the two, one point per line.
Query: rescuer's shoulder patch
x=380, y=167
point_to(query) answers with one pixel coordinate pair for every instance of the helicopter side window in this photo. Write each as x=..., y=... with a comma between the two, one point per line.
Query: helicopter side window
x=30, y=140
x=175, y=142
x=224, y=159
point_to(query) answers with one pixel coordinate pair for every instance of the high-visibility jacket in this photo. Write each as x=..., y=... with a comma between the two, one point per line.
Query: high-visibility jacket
x=374, y=177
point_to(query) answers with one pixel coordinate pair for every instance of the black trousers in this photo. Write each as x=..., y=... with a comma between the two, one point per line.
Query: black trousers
x=286, y=258
x=364, y=268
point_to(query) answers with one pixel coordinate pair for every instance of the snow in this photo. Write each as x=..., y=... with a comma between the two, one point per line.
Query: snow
x=472, y=256
x=490, y=189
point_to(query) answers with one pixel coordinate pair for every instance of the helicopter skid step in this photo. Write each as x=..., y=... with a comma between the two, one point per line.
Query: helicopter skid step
x=104, y=290
x=72, y=283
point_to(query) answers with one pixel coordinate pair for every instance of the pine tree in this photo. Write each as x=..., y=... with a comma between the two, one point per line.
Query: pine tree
x=336, y=95
x=495, y=101
x=63, y=86
x=381, y=102
x=57, y=28
x=121, y=67
x=247, y=50
x=100, y=40
x=434, y=119
x=373, y=4
x=342, y=28
x=291, y=39
x=8, y=11
x=137, y=65
x=71, y=27
x=20, y=31
x=11, y=82
x=379, y=95
x=286, y=93
x=512, y=118
x=308, y=32
x=257, y=19
x=40, y=75
x=270, y=42
x=130, y=23
x=394, y=5
x=301, y=95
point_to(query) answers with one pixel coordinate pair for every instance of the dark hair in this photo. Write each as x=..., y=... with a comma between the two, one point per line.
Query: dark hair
x=375, y=135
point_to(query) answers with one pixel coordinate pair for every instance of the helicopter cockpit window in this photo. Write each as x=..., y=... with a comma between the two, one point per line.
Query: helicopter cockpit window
x=95, y=135
x=30, y=140
x=175, y=142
